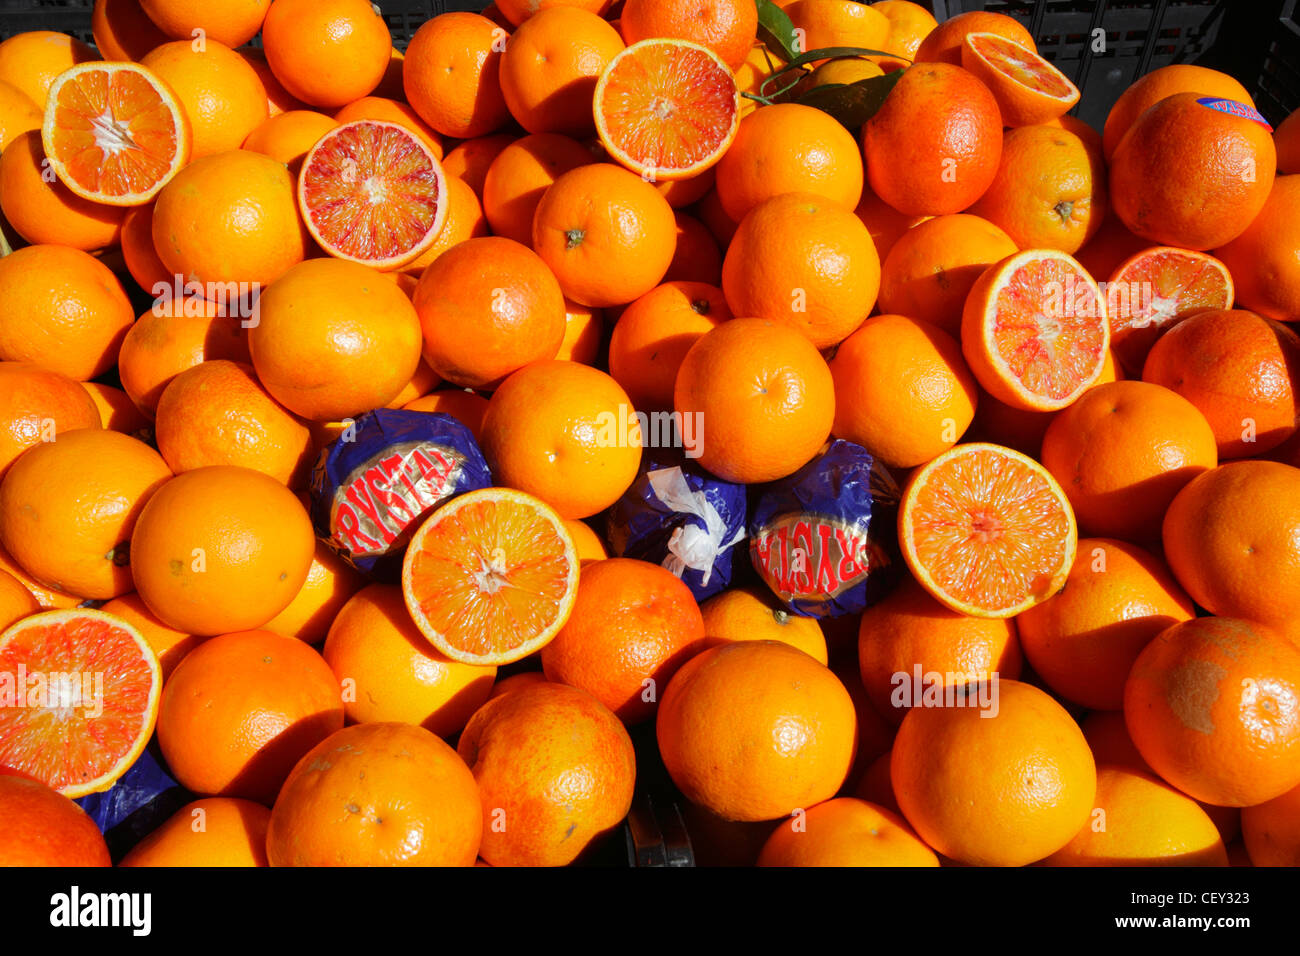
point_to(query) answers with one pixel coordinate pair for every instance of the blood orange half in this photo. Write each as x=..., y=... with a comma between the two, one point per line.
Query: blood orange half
x=1156, y=289
x=987, y=530
x=490, y=576
x=373, y=192
x=666, y=109
x=79, y=694
x=114, y=133
x=1029, y=90
x=1034, y=330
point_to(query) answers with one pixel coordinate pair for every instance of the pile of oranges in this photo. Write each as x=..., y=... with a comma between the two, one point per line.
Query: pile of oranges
x=1070, y=348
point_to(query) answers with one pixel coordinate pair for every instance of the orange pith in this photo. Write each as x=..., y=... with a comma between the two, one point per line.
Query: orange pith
x=491, y=576
x=1028, y=88
x=114, y=133
x=91, y=735
x=987, y=531
x=372, y=192
x=667, y=108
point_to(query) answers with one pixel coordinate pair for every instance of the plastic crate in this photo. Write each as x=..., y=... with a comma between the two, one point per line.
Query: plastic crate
x=1277, y=88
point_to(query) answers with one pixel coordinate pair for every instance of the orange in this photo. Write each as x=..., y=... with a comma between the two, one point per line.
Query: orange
x=1110, y=247
x=1271, y=830
x=1263, y=259
x=46, y=599
x=909, y=25
x=1122, y=451
x=902, y=390
x=392, y=111
x=327, y=52
x=278, y=99
x=874, y=785
x=31, y=60
x=1239, y=369
x=517, y=11
x=465, y=220
x=1231, y=538
x=759, y=64
x=450, y=75
x=583, y=330
x=1287, y=140
x=519, y=680
x=1191, y=176
x=463, y=405
x=765, y=395
x=217, y=831
x=383, y=794
x=653, y=335
x=233, y=24
x=65, y=311
x=586, y=542
x=750, y=614
x=519, y=176
x=696, y=257
x=334, y=340
x=846, y=832
x=885, y=223
x=91, y=704
x=221, y=95
x=217, y=413
x=214, y=532
x=330, y=583
x=934, y=146
x=944, y=42
x=803, y=260
x=68, y=508
x=123, y=31
x=715, y=218
x=1140, y=820
x=608, y=236
x=1116, y=599
x=986, y=530
x=555, y=772
x=1027, y=87
x=228, y=218
x=116, y=410
x=166, y=341
x=168, y=644
x=18, y=113
x=1002, y=791
x=389, y=672
x=932, y=265
x=910, y=645
x=727, y=27
x=43, y=210
x=138, y=250
x=844, y=72
x=287, y=137
x=41, y=827
x=754, y=730
x=788, y=148
x=633, y=625
x=1034, y=330
x=1213, y=705
x=471, y=159
x=1049, y=191
x=37, y=405
x=488, y=307
x=829, y=23
x=16, y=602
x=1150, y=89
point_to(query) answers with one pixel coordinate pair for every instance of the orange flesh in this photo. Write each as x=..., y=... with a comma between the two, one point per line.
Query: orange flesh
x=65, y=746
x=490, y=575
x=373, y=193
x=1049, y=327
x=117, y=136
x=1024, y=66
x=989, y=530
x=668, y=107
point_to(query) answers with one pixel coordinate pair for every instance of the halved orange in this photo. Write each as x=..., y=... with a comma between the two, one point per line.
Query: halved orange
x=79, y=694
x=987, y=530
x=1029, y=90
x=114, y=132
x=373, y=192
x=1155, y=289
x=666, y=109
x=490, y=576
x=1034, y=330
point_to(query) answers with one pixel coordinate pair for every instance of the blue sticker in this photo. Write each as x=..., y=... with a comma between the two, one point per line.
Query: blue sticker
x=1235, y=108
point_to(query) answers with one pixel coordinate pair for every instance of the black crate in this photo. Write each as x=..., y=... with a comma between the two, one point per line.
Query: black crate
x=1277, y=87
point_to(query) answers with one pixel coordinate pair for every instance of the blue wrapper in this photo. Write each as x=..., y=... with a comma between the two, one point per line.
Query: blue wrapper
x=825, y=538
x=680, y=517
x=137, y=804
x=389, y=469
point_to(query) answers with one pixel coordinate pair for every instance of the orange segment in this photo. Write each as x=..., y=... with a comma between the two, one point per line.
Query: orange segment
x=1034, y=330
x=79, y=696
x=491, y=576
x=667, y=109
x=114, y=133
x=1029, y=90
x=1156, y=289
x=373, y=192
x=987, y=530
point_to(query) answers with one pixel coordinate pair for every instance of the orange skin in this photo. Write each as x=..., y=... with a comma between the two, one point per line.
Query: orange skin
x=42, y=827
x=1109, y=247
x=288, y=137
x=165, y=341
x=46, y=599
x=221, y=94
x=169, y=644
x=885, y=223
x=933, y=147
x=749, y=614
x=697, y=257
x=586, y=542
x=943, y=44
x=727, y=27
x=1211, y=705
x=633, y=622
x=1271, y=830
x=451, y=75
x=828, y=23
x=391, y=111
x=471, y=160
x=515, y=12
x=1190, y=176
x=49, y=212
x=1287, y=140
x=803, y=260
x=1083, y=640
x=231, y=24
x=116, y=411
x=1122, y=451
x=932, y=265
x=16, y=602
x=384, y=794
x=584, y=328
x=31, y=397
x=137, y=249
x=330, y=583
x=31, y=60
x=240, y=710
x=123, y=31
x=909, y=25
x=846, y=832
x=875, y=733
x=1150, y=89
x=18, y=113
x=217, y=531
x=681, y=193
x=232, y=833
x=1001, y=791
x=327, y=52
x=278, y=99
x=521, y=174
x=874, y=785
x=654, y=334
x=555, y=765
x=465, y=220
x=466, y=407
x=1239, y=369
x=715, y=218
x=1263, y=260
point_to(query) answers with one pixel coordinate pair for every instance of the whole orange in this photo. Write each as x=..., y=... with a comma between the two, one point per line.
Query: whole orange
x=471, y=160
x=16, y=602
x=846, y=832
x=278, y=99
x=909, y=25
x=390, y=110
x=1265, y=259
x=584, y=328
x=116, y=410
x=727, y=27
x=943, y=43
x=885, y=223
x=169, y=339
x=46, y=598
x=697, y=257
x=465, y=220
x=465, y=406
x=1150, y=89
x=42, y=827
x=1271, y=830
x=287, y=137
x=327, y=52
x=37, y=405
x=515, y=12
x=233, y=24
x=221, y=94
x=138, y=250
x=44, y=210
x=521, y=174
x=1287, y=140
x=169, y=644
x=18, y=113
x=31, y=60
x=216, y=831
x=330, y=584
x=829, y=23
x=748, y=614
x=450, y=75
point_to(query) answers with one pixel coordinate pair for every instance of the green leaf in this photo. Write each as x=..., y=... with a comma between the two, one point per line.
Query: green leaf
x=767, y=88
x=775, y=29
x=852, y=104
